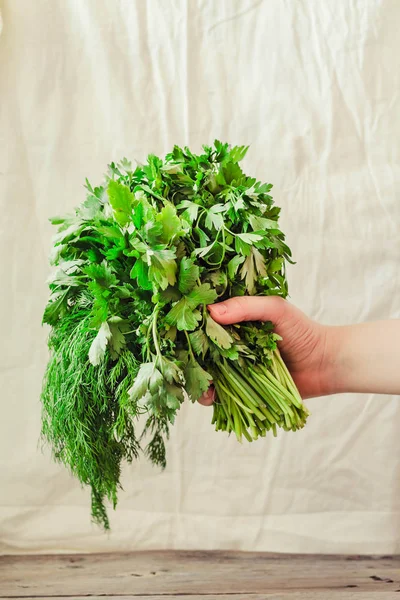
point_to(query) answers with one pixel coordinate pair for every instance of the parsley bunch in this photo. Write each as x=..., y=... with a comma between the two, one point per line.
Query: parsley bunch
x=131, y=337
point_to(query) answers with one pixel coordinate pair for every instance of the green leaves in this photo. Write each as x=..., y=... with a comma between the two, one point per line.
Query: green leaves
x=56, y=307
x=191, y=210
x=249, y=238
x=98, y=348
x=162, y=267
x=242, y=247
x=117, y=340
x=199, y=342
x=110, y=335
x=183, y=315
x=214, y=217
x=248, y=274
x=170, y=222
x=218, y=334
x=237, y=153
x=253, y=266
x=197, y=380
x=148, y=382
x=156, y=389
x=102, y=274
x=140, y=271
x=189, y=273
x=121, y=200
x=259, y=262
x=137, y=263
x=202, y=294
x=261, y=223
x=234, y=264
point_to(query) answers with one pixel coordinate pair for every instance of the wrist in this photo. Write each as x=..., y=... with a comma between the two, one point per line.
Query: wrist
x=333, y=378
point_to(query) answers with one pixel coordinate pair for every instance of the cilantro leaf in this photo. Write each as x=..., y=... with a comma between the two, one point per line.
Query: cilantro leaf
x=237, y=153
x=275, y=265
x=102, y=274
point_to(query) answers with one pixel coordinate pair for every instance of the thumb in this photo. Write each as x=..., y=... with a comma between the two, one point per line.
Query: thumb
x=249, y=308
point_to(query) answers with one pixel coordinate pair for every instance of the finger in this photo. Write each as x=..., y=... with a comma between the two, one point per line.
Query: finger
x=208, y=397
x=249, y=308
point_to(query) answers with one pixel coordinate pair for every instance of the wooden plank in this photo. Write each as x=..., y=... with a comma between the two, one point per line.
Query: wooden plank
x=333, y=595
x=169, y=573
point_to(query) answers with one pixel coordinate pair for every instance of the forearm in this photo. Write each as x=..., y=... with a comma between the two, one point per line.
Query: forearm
x=366, y=358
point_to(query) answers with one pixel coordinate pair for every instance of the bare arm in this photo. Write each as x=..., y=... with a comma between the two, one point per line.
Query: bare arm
x=323, y=360
x=366, y=357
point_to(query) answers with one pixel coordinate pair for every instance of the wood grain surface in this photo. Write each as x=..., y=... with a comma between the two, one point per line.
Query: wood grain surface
x=200, y=575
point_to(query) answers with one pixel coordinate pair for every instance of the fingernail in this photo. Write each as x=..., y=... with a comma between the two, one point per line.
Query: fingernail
x=218, y=309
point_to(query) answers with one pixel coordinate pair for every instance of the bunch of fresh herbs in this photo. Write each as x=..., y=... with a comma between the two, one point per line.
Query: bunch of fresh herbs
x=131, y=337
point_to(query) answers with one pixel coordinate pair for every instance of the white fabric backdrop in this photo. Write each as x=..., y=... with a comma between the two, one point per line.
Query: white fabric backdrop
x=313, y=86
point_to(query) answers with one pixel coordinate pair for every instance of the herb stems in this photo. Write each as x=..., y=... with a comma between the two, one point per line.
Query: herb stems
x=257, y=400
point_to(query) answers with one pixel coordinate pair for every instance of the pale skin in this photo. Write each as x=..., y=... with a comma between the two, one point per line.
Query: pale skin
x=322, y=359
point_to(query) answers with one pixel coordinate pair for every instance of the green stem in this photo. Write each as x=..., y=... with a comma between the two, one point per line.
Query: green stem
x=274, y=381
x=148, y=351
x=223, y=246
x=235, y=399
x=236, y=420
x=285, y=381
x=280, y=398
x=289, y=379
x=265, y=390
x=155, y=334
x=223, y=403
x=238, y=382
x=190, y=347
x=241, y=388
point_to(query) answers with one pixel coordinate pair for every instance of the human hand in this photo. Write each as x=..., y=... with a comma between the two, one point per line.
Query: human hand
x=304, y=347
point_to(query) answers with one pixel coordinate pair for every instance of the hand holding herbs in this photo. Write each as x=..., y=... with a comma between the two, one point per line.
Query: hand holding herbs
x=306, y=345
x=135, y=267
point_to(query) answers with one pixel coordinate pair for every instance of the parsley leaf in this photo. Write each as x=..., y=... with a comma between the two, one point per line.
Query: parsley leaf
x=121, y=200
x=189, y=273
x=98, y=348
x=162, y=267
x=197, y=380
x=218, y=334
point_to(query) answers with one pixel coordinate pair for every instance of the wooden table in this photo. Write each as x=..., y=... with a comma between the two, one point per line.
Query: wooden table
x=200, y=576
